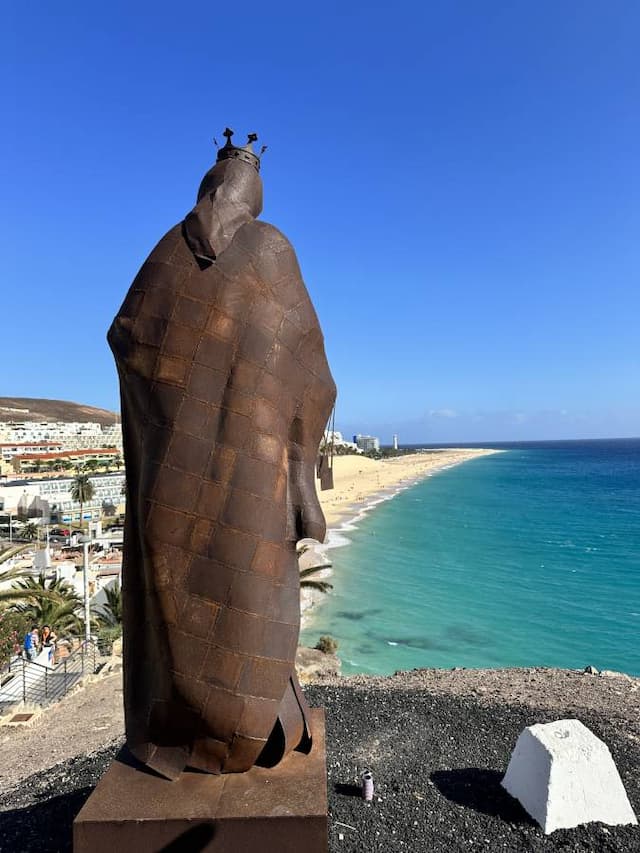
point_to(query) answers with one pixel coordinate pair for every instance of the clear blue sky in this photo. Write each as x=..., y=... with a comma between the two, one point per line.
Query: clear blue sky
x=460, y=181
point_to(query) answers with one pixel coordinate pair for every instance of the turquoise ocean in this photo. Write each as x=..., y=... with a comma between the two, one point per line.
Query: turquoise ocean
x=528, y=557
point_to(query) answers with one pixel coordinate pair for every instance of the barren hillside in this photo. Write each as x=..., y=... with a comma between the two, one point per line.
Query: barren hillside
x=52, y=410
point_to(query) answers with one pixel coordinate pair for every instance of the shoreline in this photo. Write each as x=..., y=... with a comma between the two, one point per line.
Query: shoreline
x=359, y=480
x=362, y=484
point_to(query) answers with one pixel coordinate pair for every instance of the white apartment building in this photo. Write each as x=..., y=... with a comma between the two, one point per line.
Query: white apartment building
x=30, y=463
x=9, y=449
x=366, y=443
x=51, y=500
x=72, y=436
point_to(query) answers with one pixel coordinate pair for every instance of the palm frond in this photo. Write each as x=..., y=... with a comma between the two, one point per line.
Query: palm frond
x=11, y=552
x=110, y=613
x=321, y=586
x=52, y=603
x=304, y=573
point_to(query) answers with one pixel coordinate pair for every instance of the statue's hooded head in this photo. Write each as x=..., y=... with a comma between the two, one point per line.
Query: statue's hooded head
x=230, y=195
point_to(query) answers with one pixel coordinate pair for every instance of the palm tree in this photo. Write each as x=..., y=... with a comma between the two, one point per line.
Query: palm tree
x=110, y=613
x=117, y=461
x=109, y=618
x=81, y=491
x=29, y=531
x=55, y=603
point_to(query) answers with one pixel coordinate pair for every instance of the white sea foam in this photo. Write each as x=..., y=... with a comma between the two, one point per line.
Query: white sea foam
x=335, y=539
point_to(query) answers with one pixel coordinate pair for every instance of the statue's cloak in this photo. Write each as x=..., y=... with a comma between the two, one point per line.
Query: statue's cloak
x=225, y=393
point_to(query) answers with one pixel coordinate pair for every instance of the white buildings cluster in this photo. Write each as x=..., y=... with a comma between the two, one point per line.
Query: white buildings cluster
x=71, y=436
x=335, y=439
x=50, y=499
x=31, y=447
x=38, y=460
x=360, y=444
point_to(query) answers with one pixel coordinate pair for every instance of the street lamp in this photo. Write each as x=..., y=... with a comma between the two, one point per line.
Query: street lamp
x=44, y=527
x=85, y=585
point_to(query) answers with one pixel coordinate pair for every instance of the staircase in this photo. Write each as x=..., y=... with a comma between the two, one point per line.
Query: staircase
x=38, y=683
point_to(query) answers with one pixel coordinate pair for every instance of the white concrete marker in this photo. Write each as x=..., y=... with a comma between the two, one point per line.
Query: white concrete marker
x=564, y=776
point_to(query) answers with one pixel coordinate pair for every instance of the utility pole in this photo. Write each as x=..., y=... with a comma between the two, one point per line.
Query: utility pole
x=85, y=583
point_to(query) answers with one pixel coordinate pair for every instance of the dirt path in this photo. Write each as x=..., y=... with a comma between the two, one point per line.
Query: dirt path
x=81, y=723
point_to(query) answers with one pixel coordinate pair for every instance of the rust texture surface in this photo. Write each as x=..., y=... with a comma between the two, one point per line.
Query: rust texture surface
x=279, y=810
x=225, y=392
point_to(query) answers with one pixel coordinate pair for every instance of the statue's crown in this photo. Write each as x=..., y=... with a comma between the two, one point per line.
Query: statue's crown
x=245, y=152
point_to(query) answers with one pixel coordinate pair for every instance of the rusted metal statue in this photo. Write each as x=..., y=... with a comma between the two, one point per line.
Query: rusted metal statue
x=225, y=393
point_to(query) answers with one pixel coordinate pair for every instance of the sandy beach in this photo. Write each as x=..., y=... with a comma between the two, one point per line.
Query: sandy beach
x=358, y=479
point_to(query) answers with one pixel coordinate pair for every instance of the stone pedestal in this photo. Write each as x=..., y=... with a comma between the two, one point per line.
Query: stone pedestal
x=277, y=810
x=564, y=776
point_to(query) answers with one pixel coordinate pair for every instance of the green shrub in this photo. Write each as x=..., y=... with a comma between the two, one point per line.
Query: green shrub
x=106, y=636
x=13, y=627
x=327, y=645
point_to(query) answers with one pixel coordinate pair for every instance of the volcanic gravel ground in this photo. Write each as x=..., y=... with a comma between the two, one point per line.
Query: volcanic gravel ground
x=437, y=763
x=436, y=760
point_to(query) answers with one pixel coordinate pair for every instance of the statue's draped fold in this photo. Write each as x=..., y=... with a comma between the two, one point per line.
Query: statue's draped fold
x=225, y=392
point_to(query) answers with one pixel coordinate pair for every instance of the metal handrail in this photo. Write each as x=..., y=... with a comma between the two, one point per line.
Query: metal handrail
x=39, y=684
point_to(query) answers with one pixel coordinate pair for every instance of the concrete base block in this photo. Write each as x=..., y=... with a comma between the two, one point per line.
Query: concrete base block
x=565, y=776
x=277, y=810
